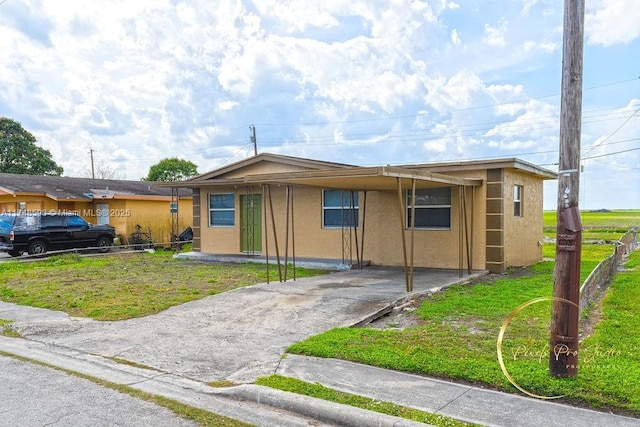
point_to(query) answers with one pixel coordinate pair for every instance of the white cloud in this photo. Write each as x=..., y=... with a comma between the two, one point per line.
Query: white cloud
x=612, y=22
x=359, y=81
x=495, y=36
x=455, y=37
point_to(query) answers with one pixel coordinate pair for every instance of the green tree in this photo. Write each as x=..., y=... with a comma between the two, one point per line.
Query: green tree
x=20, y=154
x=171, y=169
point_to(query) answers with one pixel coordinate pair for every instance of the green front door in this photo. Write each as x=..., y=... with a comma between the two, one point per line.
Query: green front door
x=251, y=220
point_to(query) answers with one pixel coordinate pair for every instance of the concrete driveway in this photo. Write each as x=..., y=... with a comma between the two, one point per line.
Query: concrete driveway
x=238, y=335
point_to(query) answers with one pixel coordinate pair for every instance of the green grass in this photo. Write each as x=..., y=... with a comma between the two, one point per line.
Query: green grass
x=7, y=332
x=622, y=219
x=458, y=339
x=123, y=286
x=598, y=226
x=321, y=392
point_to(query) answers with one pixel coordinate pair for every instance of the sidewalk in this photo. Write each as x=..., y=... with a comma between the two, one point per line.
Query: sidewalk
x=263, y=406
x=463, y=402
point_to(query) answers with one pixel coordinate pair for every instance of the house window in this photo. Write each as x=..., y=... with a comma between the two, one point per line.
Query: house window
x=222, y=210
x=336, y=210
x=517, y=200
x=432, y=207
x=22, y=206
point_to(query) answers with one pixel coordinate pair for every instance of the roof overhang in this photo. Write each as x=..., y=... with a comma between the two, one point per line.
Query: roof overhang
x=379, y=178
x=502, y=163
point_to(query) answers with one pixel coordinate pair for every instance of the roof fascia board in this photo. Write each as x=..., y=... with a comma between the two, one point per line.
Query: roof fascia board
x=429, y=176
x=287, y=160
x=396, y=172
x=507, y=163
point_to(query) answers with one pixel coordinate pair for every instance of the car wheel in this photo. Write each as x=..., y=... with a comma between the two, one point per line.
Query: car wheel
x=14, y=253
x=103, y=243
x=37, y=247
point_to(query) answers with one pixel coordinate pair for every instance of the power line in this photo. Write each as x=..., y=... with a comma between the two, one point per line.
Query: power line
x=446, y=112
x=614, y=132
x=610, y=154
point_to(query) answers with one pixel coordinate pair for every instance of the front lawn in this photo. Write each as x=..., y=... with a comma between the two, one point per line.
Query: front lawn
x=458, y=339
x=122, y=286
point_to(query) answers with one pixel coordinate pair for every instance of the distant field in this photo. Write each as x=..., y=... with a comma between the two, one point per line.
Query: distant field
x=623, y=219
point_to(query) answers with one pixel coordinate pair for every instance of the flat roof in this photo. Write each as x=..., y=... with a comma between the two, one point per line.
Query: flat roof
x=345, y=177
x=363, y=178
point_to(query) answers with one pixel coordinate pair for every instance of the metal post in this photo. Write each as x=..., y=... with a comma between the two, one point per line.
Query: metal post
x=563, y=355
x=413, y=232
x=460, y=234
x=293, y=237
x=355, y=229
x=364, y=217
x=402, y=227
x=275, y=234
x=466, y=229
x=266, y=229
x=286, y=232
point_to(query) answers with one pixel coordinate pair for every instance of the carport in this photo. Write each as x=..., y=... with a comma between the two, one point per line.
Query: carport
x=366, y=179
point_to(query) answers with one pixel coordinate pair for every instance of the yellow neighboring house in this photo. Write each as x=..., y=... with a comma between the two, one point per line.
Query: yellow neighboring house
x=467, y=215
x=122, y=204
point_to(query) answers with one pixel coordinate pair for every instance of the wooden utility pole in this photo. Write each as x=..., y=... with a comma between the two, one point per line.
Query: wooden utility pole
x=563, y=357
x=93, y=173
x=254, y=141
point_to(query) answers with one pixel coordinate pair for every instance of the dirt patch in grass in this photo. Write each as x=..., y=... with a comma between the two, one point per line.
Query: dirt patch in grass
x=400, y=317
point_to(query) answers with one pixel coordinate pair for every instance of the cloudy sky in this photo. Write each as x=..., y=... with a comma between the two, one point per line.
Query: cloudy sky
x=365, y=82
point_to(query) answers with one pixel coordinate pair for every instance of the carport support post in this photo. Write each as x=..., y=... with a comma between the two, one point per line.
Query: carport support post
x=293, y=236
x=413, y=232
x=402, y=227
x=563, y=354
x=460, y=232
x=364, y=218
x=275, y=235
x=286, y=231
x=266, y=229
x=466, y=229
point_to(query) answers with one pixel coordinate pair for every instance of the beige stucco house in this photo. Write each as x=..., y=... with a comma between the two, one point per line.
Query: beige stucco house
x=120, y=203
x=480, y=215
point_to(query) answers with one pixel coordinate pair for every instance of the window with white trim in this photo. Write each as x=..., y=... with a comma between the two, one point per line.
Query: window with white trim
x=336, y=209
x=432, y=207
x=222, y=210
x=517, y=200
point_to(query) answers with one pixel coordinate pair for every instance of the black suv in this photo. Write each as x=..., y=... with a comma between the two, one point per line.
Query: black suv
x=39, y=233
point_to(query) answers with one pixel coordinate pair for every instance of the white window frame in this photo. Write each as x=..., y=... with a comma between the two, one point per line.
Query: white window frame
x=356, y=207
x=212, y=210
x=425, y=227
x=518, y=193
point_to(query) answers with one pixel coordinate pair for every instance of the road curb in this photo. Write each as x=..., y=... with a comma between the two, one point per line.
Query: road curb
x=340, y=414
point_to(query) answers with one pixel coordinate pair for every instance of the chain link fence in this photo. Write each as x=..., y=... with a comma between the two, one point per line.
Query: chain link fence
x=602, y=276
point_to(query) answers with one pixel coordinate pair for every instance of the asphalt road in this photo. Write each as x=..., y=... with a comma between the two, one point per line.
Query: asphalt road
x=33, y=395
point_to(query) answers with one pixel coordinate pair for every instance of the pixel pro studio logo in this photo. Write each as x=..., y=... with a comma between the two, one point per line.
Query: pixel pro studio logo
x=540, y=354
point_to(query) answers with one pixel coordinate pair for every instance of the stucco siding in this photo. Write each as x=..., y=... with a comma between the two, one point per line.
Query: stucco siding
x=523, y=234
x=383, y=238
